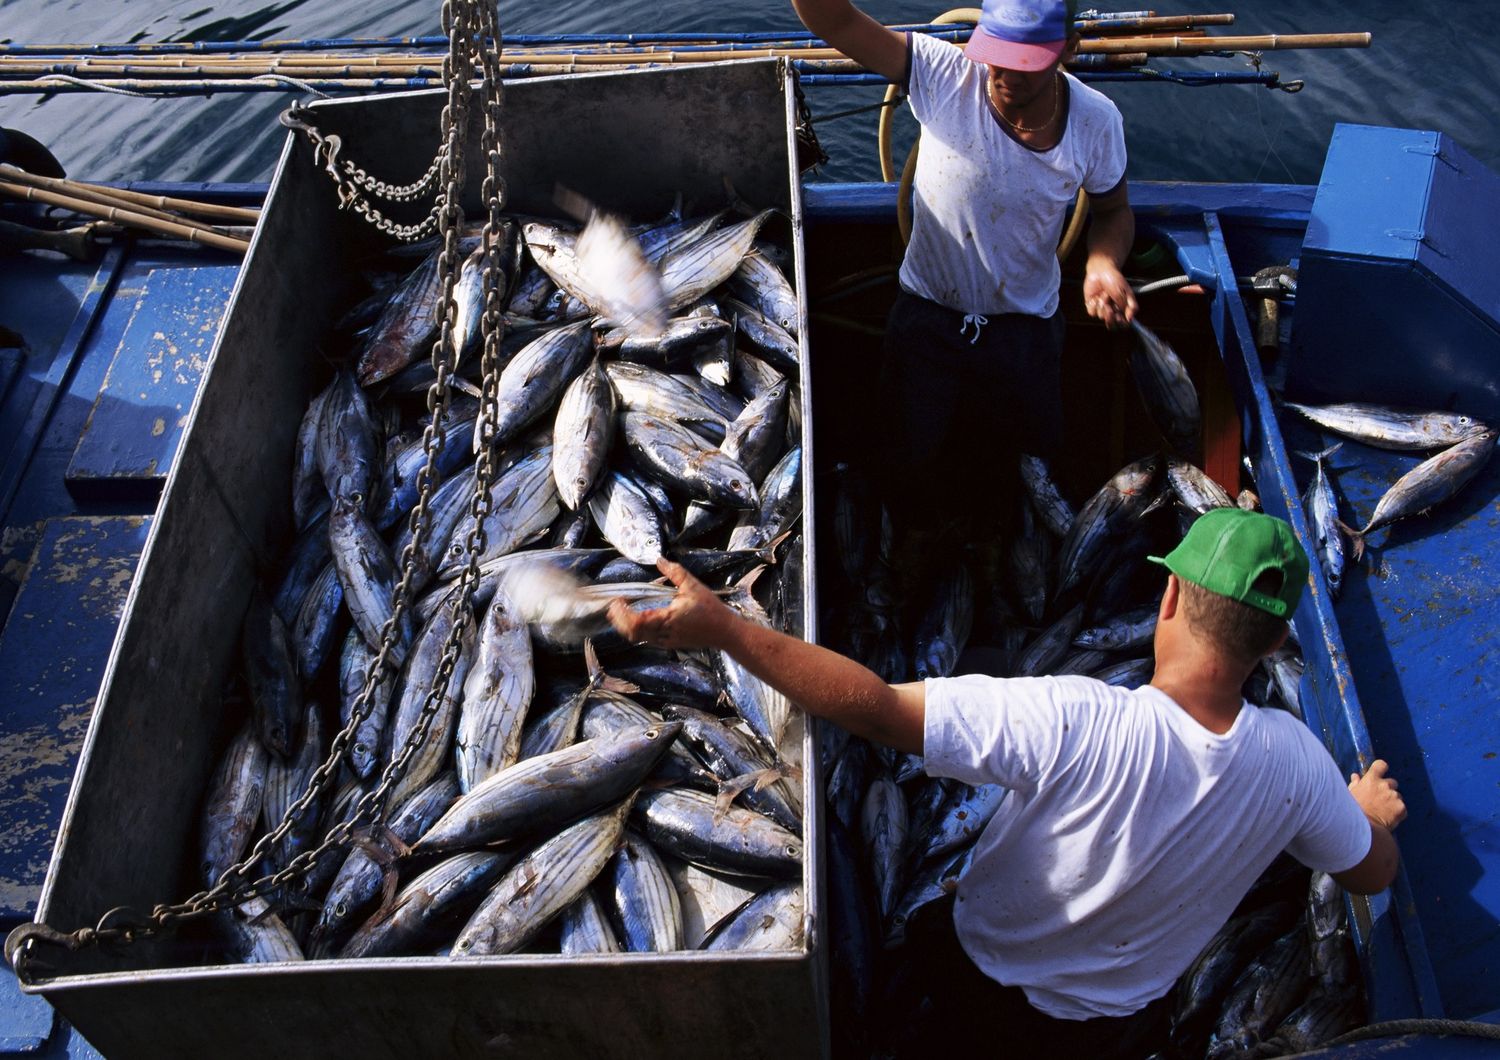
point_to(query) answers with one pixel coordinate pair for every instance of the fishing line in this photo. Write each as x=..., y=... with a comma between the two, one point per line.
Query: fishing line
x=1270, y=146
x=856, y=110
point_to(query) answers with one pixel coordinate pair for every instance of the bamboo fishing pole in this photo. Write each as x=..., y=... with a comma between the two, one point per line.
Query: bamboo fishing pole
x=243, y=214
x=1269, y=42
x=66, y=187
x=179, y=230
x=157, y=205
x=1090, y=26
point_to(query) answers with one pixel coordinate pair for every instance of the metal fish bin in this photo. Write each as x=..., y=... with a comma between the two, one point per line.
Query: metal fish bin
x=630, y=142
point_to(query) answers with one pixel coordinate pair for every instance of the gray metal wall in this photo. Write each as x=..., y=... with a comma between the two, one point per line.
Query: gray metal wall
x=628, y=141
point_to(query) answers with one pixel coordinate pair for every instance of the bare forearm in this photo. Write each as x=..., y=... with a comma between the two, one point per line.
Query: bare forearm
x=1111, y=235
x=1378, y=869
x=826, y=684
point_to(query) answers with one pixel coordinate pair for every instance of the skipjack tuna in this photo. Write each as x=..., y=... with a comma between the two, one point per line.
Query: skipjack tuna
x=649, y=404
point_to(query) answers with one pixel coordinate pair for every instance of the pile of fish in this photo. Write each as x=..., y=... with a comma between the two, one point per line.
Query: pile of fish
x=570, y=793
x=1465, y=446
x=1279, y=978
x=1073, y=593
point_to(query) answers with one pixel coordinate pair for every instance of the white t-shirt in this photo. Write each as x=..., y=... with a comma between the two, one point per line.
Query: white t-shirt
x=989, y=210
x=1131, y=832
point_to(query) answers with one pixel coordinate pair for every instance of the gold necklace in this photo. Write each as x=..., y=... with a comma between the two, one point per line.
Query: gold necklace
x=1017, y=126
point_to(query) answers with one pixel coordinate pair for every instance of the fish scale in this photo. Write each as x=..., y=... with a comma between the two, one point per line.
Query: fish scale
x=542, y=884
x=645, y=899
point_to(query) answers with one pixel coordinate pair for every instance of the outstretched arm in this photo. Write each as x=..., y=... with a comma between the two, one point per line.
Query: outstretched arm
x=821, y=682
x=857, y=35
x=1377, y=796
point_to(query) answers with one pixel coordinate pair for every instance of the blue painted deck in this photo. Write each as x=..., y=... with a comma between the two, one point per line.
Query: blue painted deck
x=92, y=406
x=1401, y=667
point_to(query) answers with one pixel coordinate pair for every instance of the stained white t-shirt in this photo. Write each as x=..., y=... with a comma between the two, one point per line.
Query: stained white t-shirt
x=988, y=210
x=1130, y=834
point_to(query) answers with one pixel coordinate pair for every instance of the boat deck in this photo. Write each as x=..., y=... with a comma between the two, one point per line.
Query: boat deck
x=92, y=406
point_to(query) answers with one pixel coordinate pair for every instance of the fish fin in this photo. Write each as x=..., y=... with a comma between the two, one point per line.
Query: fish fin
x=591, y=660
x=729, y=790
x=1356, y=538
x=620, y=685
x=1159, y=501
x=390, y=881
x=747, y=583
x=375, y=850
x=529, y=883
x=735, y=202
x=394, y=843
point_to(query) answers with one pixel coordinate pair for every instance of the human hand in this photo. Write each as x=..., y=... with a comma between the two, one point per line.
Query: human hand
x=696, y=618
x=1107, y=296
x=1377, y=796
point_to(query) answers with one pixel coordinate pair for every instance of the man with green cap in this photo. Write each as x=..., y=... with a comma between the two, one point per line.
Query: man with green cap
x=1136, y=819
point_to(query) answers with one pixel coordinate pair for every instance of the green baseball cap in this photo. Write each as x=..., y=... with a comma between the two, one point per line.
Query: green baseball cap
x=1228, y=549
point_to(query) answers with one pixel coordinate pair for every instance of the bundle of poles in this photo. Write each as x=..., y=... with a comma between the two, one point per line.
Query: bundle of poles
x=207, y=224
x=1115, y=46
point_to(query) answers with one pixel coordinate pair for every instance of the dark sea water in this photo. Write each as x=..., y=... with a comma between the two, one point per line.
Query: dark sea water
x=1432, y=66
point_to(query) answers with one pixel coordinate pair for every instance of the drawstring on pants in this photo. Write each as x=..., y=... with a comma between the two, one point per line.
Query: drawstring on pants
x=978, y=320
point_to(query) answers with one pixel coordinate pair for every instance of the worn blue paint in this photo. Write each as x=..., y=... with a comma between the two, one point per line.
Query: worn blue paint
x=10, y=367
x=1422, y=621
x=1402, y=219
x=26, y=1020
x=1153, y=201
x=42, y=492
x=1399, y=977
x=45, y=396
x=137, y=421
x=57, y=639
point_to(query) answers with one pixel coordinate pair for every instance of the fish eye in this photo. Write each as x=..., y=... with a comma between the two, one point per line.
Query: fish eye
x=652, y=734
x=360, y=748
x=793, y=851
x=357, y=497
x=340, y=910
x=464, y=944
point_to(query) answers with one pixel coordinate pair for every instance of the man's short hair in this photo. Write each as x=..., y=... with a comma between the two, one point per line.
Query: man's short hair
x=1243, y=632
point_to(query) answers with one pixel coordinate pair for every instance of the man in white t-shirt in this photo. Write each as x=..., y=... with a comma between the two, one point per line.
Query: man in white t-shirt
x=974, y=341
x=1136, y=820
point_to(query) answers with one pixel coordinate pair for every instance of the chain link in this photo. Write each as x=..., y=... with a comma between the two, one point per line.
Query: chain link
x=472, y=28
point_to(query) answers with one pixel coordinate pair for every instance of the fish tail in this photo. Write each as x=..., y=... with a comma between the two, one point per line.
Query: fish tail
x=1356, y=538
x=1322, y=455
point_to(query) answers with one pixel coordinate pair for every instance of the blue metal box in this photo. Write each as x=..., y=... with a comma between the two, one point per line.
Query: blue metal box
x=1399, y=284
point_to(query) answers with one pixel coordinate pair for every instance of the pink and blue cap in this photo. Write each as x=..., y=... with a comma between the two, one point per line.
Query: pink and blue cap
x=1020, y=34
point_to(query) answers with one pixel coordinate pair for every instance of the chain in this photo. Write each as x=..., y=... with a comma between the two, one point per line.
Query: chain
x=463, y=21
x=352, y=181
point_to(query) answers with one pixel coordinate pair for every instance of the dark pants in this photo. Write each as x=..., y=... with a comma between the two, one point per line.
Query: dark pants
x=960, y=400
x=967, y=1014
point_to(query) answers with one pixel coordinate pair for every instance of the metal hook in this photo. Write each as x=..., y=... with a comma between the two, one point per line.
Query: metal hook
x=296, y=117
x=17, y=944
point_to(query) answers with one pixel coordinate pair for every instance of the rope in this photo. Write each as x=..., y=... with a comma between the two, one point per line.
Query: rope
x=69, y=79
x=888, y=102
x=294, y=82
x=1396, y=1028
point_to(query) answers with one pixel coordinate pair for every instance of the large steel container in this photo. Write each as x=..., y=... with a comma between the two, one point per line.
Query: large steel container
x=629, y=141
